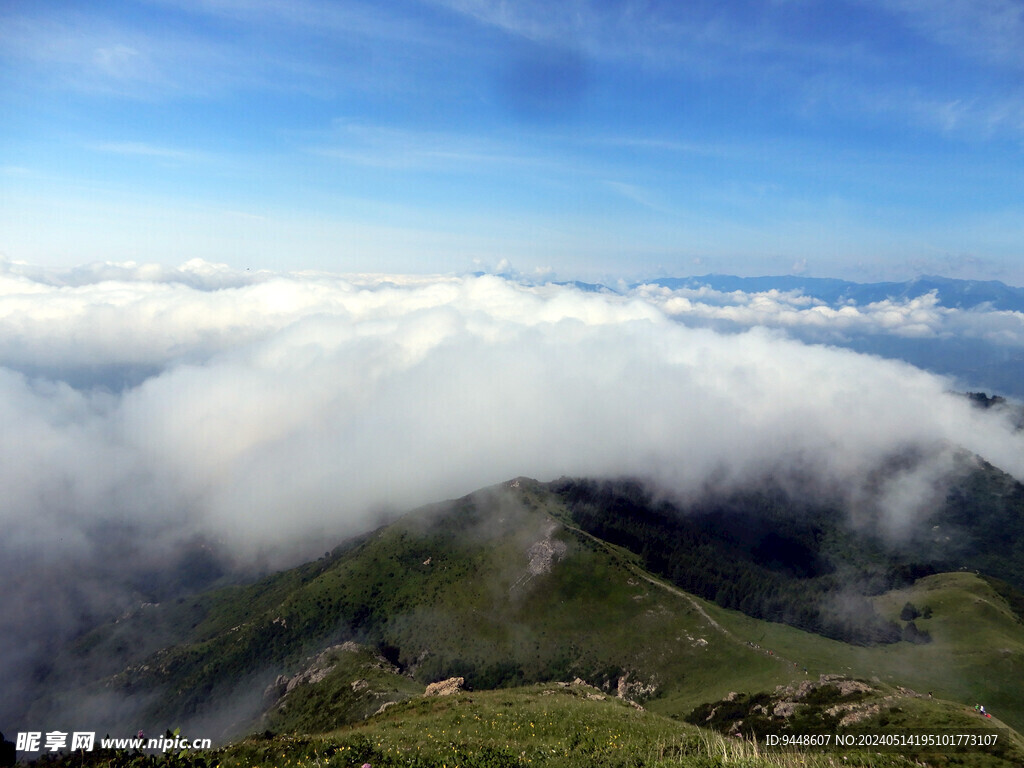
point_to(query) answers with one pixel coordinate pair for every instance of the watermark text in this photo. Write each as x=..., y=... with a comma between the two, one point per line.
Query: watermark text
x=52, y=741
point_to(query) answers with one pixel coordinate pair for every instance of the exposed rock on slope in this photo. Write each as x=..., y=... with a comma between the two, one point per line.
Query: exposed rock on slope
x=445, y=687
x=342, y=684
x=818, y=706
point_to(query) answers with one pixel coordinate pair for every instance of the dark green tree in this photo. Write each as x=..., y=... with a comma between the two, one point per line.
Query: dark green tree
x=909, y=612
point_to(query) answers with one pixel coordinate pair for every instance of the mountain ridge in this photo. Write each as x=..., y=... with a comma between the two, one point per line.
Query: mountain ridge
x=503, y=589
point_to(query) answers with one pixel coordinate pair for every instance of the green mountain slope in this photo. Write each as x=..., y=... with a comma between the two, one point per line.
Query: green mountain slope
x=345, y=683
x=563, y=725
x=503, y=589
x=785, y=556
x=490, y=588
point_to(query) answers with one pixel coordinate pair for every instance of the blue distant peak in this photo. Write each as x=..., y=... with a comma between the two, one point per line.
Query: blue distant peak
x=961, y=294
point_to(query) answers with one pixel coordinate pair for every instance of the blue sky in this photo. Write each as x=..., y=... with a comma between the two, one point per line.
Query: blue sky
x=863, y=139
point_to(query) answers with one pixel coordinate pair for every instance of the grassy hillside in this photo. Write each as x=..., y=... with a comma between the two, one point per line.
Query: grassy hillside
x=502, y=589
x=345, y=683
x=976, y=654
x=558, y=726
x=490, y=588
x=551, y=725
x=773, y=556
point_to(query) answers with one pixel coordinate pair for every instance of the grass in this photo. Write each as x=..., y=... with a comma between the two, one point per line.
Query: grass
x=535, y=726
x=357, y=684
x=454, y=595
x=449, y=591
x=976, y=654
x=543, y=725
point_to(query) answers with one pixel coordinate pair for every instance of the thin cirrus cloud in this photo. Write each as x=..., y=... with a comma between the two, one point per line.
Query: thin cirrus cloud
x=988, y=30
x=730, y=132
x=143, y=149
x=93, y=56
x=384, y=147
x=96, y=55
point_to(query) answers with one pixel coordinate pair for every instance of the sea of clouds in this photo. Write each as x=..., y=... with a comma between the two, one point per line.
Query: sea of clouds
x=144, y=407
x=920, y=318
x=255, y=406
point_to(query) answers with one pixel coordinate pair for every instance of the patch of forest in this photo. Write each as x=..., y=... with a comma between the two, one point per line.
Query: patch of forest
x=777, y=558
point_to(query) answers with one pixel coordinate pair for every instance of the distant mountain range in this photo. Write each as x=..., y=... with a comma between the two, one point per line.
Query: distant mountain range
x=953, y=293
x=950, y=292
x=986, y=360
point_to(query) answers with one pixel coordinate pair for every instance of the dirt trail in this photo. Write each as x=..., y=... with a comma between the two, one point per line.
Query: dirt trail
x=693, y=601
x=643, y=575
x=639, y=572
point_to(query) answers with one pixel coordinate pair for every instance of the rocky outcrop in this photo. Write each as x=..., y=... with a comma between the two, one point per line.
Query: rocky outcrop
x=634, y=690
x=384, y=706
x=318, y=668
x=854, y=713
x=784, y=709
x=544, y=553
x=340, y=685
x=445, y=687
x=843, y=685
x=830, y=701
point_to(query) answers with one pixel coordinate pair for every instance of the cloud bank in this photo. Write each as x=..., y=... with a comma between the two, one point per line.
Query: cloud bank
x=275, y=404
x=267, y=410
x=920, y=318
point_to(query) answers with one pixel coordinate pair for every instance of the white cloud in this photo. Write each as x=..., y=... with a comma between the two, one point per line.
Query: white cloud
x=286, y=404
x=285, y=410
x=143, y=149
x=117, y=61
x=921, y=317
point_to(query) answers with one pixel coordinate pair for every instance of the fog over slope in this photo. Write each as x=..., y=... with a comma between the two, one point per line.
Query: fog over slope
x=146, y=406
